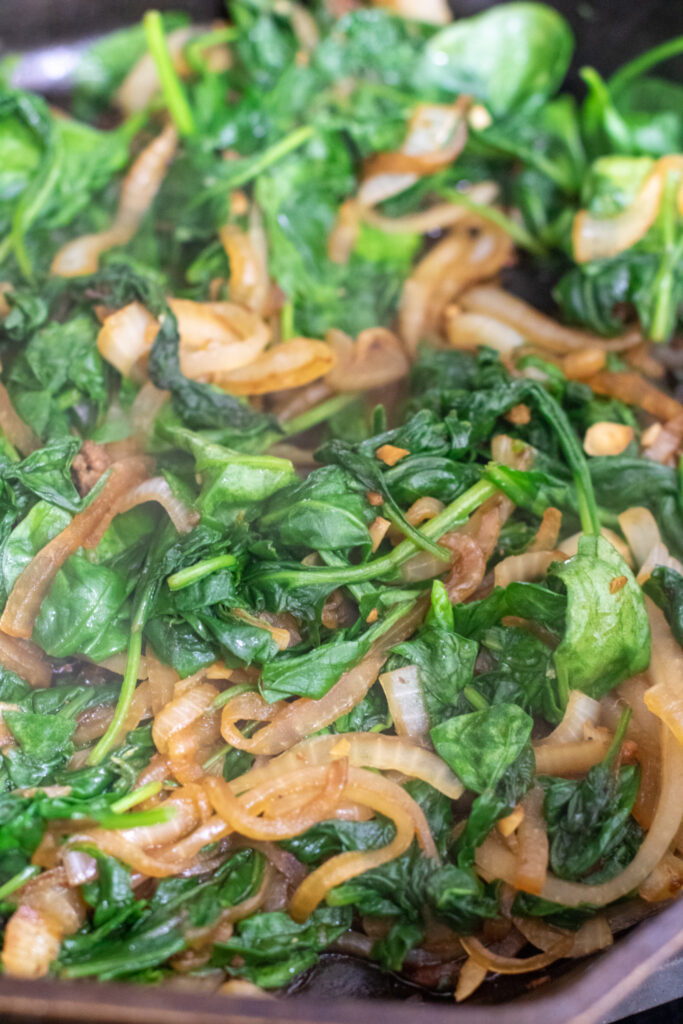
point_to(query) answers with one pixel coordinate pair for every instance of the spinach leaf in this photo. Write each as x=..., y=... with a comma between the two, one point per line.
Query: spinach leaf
x=273, y=949
x=509, y=56
x=592, y=835
x=480, y=746
x=607, y=636
x=665, y=587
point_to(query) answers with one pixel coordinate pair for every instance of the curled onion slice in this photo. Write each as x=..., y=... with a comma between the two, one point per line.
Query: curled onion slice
x=386, y=798
x=85, y=530
x=32, y=941
x=181, y=712
x=374, y=360
x=248, y=258
x=288, y=365
x=13, y=427
x=363, y=750
x=532, y=835
x=26, y=659
x=537, y=328
x=406, y=703
x=527, y=567
x=157, y=489
x=580, y=709
x=631, y=388
x=572, y=758
x=436, y=218
x=513, y=965
x=665, y=697
x=138, y=190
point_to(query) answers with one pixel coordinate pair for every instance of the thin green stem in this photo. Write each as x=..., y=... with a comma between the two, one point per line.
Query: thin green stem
x=318, y=414
x=642, y=63
x=193, y=50
x=171, y=87
x=517, y=232
x=227, y=695
x=104, y=745
x=271, y=155
x=451, y=516
x=478, y=702
x=16, y=881
x=136, y=819
x=184, y=577
x=619, y=735
x=287, y=321
x=136, y=797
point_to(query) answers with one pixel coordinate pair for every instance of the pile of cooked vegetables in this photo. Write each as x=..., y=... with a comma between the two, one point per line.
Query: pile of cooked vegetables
x=341, y=587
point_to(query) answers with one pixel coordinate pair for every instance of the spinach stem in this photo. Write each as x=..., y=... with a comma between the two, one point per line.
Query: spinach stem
x=227, y=695
x=16, y=881
x=478, y=702
x=193, y=50
x=453, y=514
x=271, y=155
x=618, y=738
x=516, y=231
x=171, y=87
x=318, y=414
x=155, y=816
x=287, y=321
x=192, y=573
x=636, y=67
x=136, y=797
x=104, y=745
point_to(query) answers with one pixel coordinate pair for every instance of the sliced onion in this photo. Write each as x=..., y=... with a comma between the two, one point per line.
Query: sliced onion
x=572, y=758
x=342, y=238
x=525, y=568
x=548, y=531
x=532, y=836
x=32, y=941
x=665, y=882
x=294, y=721
x=470, y=978
x=320, y=790
x=146, y=407
x=288, y=365
x=374, y=360
x=434, y=12
x=79, y=867
x=468, y=331
x=570, y=545
x=406, y=703
x=665, y=697
x=85, y=530
x=436, y=218
x=217, y=337
x=667, y=444
x=181, y=712
x=386, y=798
x=157, y=489
x=455, y=263
x=631, y=388
x=363, y=750
x=141, y=84
x=138, y=191
x=162, y=679
x=126, y=336
x=537, y=328
x=513, y=965
x=247, y=254
x=583, y=363
x=601, y=238
x=185, y=818
x=18, y=433
x=580, y=709
x=26, y=659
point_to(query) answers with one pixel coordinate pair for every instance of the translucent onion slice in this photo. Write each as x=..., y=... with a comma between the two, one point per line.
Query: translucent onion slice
x=162, y=679
x=138, y=191
x=572, y=758
x=217, y=337
x=363, y=750
x=580, y=709
x=288, y=365
x=157, y=489
x=299, y=719
x=13, y=427
x=434, y=12
x=607, y=438
x=320, y=790
x=385, y=798
x=181, y=712
x=470, y=978
x=535, y=327
x=26, y=659
x=665, y=697
x=32, y=941
x=85, y=530
x=467, y=331
x=247, y=254
x=436, y=218
x=635, y=390
x=548, y=531
x=126, y=336
x=513, y=965
x=665, y=882
x=374, y=360
x=532, y=837
x=406, y=702
x=525, y=568
x=599, y=238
